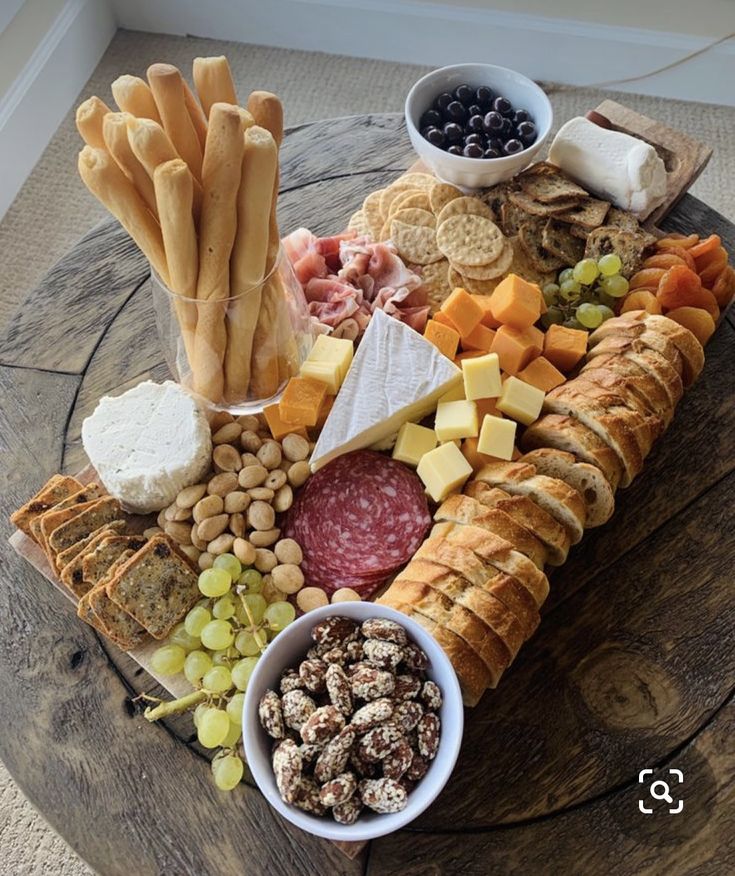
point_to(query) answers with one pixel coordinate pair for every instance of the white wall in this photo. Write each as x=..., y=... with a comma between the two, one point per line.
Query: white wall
x=22, y=34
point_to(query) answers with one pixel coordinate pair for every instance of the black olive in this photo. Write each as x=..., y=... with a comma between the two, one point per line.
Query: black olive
x=455, y=150
x=435, y=137
x=456, y=112
x=503, y=106
x=453, y=132
x=495, y=143
x=513, y=146
x=492, y=122
x=475, y=110
x=521, y=115
x=443, y=101
x=474, y=124
x=464, y=94
x=484, y=96
x=474, y=138
x=527, y=131
x=506, y=129
x=473, y=151
x=492, y=153
x=431, y=119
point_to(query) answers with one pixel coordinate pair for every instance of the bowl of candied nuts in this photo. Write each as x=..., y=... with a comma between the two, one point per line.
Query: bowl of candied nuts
x=352, y=721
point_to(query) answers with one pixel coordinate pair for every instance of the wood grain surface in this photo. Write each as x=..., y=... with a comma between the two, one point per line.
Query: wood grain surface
x=632, y=667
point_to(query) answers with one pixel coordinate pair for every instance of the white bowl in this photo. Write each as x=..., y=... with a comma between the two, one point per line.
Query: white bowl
x=477, y=173
x=289, y=649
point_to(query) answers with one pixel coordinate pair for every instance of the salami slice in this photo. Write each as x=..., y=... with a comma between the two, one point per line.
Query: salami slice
x=358, y=520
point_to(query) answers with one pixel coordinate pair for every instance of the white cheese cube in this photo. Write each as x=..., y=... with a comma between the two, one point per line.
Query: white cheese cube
x=443, y=470
x=333, y=351
x=482, y=377
x=520, y=400
x=456, y=393
x=456, y=419
x=325, y=372
x=497, y=437
x=413, y=442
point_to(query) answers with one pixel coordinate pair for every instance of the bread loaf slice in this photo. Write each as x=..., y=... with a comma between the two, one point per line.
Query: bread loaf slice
x=586, y=479
x=646, y=340
x=464, y=509
x=661, y=386
x=557, y=498
x=527, y=514
x=567, y=433
x=641, y=391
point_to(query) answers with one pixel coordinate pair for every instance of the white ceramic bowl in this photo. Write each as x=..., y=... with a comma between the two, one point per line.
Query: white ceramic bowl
x=477, y=173
x=288, y=649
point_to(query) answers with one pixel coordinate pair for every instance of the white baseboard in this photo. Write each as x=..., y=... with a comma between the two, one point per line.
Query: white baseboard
x=551, y=49
x=32, y=109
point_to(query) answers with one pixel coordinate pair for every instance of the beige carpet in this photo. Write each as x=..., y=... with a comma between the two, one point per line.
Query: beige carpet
x=53, y=210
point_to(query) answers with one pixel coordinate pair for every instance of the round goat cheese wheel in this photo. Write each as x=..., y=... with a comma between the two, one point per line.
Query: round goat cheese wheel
x=148, y=444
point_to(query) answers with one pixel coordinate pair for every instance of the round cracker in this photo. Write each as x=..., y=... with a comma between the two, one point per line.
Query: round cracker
x=498, y=268
x=413, y=198
x=435, y=280
x=400, y=198
x=477, y=287
x=373, y=215
x=415, y=243
x=469, y=239
x=358, y=222
x=416, y=216
x=464, y=205
x=441, y=194
x=392, y=193
x=418, y=180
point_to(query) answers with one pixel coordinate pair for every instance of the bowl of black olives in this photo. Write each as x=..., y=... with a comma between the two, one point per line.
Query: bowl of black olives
x=476, y=125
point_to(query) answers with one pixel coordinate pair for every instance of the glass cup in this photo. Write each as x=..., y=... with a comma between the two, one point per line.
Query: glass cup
x=238, y=353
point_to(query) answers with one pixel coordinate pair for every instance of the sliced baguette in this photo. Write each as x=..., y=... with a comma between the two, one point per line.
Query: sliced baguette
x=652, y=373
x=615, y=385
x=586, y=479
x=647, y=340
x=635, y=385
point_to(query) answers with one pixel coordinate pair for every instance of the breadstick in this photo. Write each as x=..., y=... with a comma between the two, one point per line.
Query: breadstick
x=249, y=254
x=115, y=132
x=221, y=174
x=90, y=116
x=213, y=82
x=247, y=120
x=134, y=96
x=174, y=193
x=168, y=90
x=113, y=189
x=196, y=114
x=152, y=146
x=267, y=110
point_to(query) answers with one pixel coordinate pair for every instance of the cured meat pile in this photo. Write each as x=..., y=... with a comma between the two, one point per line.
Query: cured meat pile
x=346, y=278
x=358, y=520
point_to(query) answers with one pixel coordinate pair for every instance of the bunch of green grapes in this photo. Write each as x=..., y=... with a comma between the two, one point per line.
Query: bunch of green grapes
x=216, y=647
x=584, y=296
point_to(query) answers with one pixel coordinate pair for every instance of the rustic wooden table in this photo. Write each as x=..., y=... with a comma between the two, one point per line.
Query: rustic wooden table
x=633, y=666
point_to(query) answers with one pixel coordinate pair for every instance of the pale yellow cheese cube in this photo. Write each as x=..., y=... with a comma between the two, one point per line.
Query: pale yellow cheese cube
x=443, y=470
x=482, y=377
x=337, y=351
x=413, y=442
x=325, y=372
x=520, y=400
x=497, y=437
x=456, y=419
x=456, y=393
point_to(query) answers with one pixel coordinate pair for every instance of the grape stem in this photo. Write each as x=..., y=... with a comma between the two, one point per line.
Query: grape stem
x=253, y=626
x=176, y=707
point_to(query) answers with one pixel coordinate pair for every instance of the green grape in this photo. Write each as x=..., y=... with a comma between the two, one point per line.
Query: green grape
x=550, y=292
x=234, y=708
x=586, y=271
x=572, y=323
x=217, y=634
x=279, y=615
x=256, y=605
x=233, y=737
x=250, y=643
x=217, y=679
x=242, y=671
x=231, y=565
x=554, y=315
x=227, y=771
x=224, y=657
x=616, y=286
x=179, y=636
x=196, y=620
x=609, y=264
x=214, y=582
x=604, y=298
x=214, y=725
x=224, y=607
x=195, y=665
x=569, y=289
x=168, y=660
x=589, y=315
x=607, y=313
x=198, y=712
x=566, y=274
x=252, y=579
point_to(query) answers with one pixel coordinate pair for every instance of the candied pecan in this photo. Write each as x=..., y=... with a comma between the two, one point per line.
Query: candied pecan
x=383, y=628
x=398, y=761
x=431, y=695
x=290, y=680
x=414, y=657
x=407, y=687
x=428, y=735
x=333, y=631
x=334, y=755
x=297, y=708
x=369, y=683
x=418, y=769
x=335, y=655
x=307, y=797
x=312, y=674
x=323, y=723
x=309, y=753
x=287, y=769
x=385, y=655
x=339, y=689
x=383, y=795
x=365, y=769
x=371, y=714
x=271, y=715
x=379, y=742
x=338, y=790
x=406, y=714
x=354, y=651
x=349, y=811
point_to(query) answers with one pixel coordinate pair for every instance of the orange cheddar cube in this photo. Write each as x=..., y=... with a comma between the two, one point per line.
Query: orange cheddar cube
x=468, y=354
x=444, y=338
x=441, y=317
x=487, y=314
x=541, y=374
x=480, y=338
x=463, y=311
x=564, y=347
x=279, y=428
x=516, y=302
x=477, y=459
x=301, y=401
x=324, y=412
x=517, y=347
x=487, y=406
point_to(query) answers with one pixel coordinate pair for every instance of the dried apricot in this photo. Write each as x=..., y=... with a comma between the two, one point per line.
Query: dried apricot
x=710, y=244
x=680, y=287
x=724, y=286
x=698, y=321
x=641, y=299
x=679, y=240
x=648, y=278
x=683, y=255
x=711, y=267
x=664, y=260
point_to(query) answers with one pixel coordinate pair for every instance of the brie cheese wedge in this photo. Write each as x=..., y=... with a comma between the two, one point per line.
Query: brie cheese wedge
x=613, y=165
x=148, y=444
x=396, y=377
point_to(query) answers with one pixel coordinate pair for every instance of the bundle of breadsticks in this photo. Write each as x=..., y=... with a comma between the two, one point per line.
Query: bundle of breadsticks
x=194, y=180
